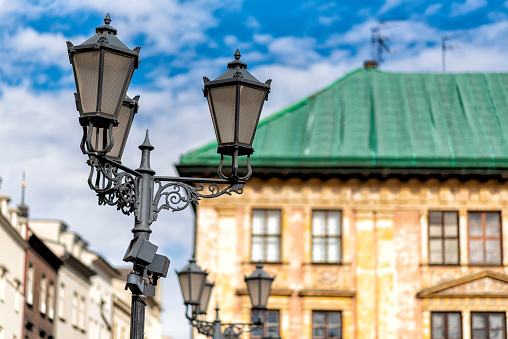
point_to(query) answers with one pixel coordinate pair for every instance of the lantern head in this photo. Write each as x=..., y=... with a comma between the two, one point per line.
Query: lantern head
x=103, y=68
x=235, y=100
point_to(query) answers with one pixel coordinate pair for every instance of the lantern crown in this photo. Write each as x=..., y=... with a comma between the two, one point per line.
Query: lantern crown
x=106, y=28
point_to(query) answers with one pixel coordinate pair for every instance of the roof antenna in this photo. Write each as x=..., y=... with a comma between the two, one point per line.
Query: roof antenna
x=446, y=47
x=23, y=209
x=379, y=42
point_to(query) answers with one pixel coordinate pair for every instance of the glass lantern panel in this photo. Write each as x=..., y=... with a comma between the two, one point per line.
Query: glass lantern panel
x=205, y=297
x=87, y=79
x=121, y=131
x=253, y=287
x=197, y=283
x=251, y=101
x=184, y=285
x=265, y=291
x=224, y=104
x=210, y=107
x=117, y=71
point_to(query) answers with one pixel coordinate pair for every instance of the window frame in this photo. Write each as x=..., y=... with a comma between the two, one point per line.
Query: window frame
x=327, y=313
x=325, y=237
x=265, y=236
x=61, y=301
x=51, y=300
x=74, y=310
x=43, y=297
x=30, y=276
x=486, y=315
x=265, y=328
x=445, y=326
x=443, y=237
x=484, y=238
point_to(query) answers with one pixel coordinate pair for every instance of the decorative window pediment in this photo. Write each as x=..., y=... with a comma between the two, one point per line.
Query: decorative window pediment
x=483, y=284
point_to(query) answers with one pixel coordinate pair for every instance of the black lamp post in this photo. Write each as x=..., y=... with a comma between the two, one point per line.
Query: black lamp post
x=259, y=286
x=103, y=67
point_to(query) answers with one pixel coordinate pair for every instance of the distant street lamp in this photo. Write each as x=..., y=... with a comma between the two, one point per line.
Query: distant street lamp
x=196, y=292
x=103, y=67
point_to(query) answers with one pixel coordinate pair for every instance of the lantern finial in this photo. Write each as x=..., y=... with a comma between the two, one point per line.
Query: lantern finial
x=107, y=19
x=237, y=64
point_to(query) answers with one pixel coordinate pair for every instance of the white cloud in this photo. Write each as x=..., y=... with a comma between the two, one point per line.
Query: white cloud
x=390, y=4
x=327, y=20
x=467, y=7
x=433, y=9
x=40, y=134
x=294, y=51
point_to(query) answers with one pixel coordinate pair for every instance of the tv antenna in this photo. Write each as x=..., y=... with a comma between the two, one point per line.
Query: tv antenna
x=379, y=42
x=445, y=46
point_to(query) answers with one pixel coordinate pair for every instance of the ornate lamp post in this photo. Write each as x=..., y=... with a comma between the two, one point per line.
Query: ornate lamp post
x=196, y=292
x=103, y=67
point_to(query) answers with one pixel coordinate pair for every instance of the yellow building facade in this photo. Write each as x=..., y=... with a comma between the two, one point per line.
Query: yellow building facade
x=381, y=206
x=385, y=286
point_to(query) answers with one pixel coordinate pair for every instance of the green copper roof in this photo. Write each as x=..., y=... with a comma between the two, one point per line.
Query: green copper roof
x=370, y=118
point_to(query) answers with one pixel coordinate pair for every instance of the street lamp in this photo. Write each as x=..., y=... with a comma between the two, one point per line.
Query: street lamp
x=259, y=286
x=103, y=67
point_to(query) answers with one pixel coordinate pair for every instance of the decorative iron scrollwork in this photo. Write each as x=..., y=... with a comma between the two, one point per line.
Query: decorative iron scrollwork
x=176, y=196
x=113, y=188
x=204, y=327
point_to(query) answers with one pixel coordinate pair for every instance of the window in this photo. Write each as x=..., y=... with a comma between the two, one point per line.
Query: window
x=265, y=235
x=61, y=301
x=446, y=325
x=74, y=311
x=17, y=297
x=270, y=327
x=326, y=325
x=82, y=313
x=485, y=238
x=30, y=284
x=326, y=236
x=44, y=288
x=443, y=238
x=3, y=285
x=51, y=301
x=488, y=325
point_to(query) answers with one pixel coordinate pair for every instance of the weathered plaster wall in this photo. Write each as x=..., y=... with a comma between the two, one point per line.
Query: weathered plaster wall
x=385, y=251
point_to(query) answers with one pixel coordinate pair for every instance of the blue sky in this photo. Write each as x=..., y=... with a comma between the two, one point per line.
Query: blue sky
x=302, y=45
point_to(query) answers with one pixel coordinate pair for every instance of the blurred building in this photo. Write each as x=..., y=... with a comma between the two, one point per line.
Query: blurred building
x=41, y=272
x=381, y=205
x=74, y=281
x=12, y=270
